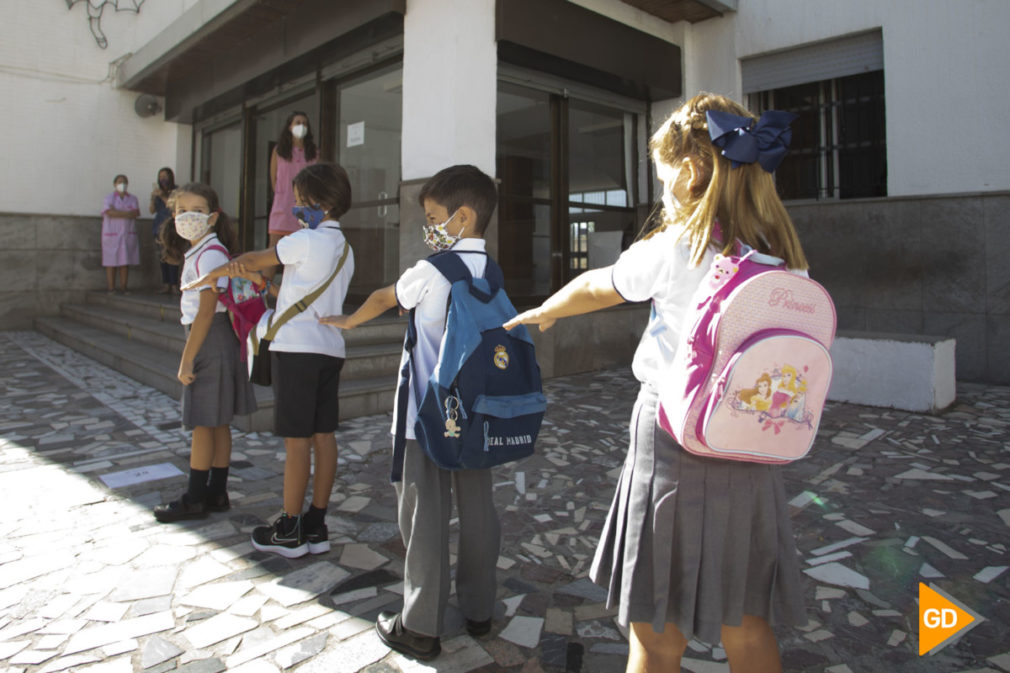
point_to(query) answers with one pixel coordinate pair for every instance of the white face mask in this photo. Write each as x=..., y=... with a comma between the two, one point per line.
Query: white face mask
x=121, y=187
x=299, y=130
x=192, y=225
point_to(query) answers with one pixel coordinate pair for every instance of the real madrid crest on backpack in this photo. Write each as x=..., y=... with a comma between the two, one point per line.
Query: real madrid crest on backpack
x=484, y=403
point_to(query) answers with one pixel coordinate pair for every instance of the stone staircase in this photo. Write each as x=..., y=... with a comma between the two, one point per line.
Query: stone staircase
x=140, y=336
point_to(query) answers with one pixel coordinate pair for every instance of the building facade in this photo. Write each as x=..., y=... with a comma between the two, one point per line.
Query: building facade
x=892, y=181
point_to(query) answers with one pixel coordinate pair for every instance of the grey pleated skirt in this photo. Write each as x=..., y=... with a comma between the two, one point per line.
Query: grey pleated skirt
x=221, y=390
x=697, y=542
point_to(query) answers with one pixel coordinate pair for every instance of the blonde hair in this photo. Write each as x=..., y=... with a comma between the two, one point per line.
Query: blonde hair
x=743, y=199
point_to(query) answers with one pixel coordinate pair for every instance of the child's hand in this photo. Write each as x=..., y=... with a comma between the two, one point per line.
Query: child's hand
x=185, y=374
x=338, y=321
x=235, y=268
x=535, y=316
x=254, y=277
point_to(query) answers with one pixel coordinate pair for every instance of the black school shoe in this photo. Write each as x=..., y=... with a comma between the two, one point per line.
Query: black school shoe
x=284, y=537
x=477, y=629
x=182, y=509
x=390, y=629
x=218, y=502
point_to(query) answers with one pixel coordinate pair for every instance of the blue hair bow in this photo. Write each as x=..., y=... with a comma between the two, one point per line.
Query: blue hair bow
x=743, y=141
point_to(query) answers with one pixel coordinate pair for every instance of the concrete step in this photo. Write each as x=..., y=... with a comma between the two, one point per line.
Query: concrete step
x=157, y=366
x=364, y=359
x=164, y=308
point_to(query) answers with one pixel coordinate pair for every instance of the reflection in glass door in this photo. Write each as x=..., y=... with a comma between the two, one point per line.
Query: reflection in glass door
x=601, y=165
x=566, y=201
x=368, y=147
x=221, y=164
x=524, y=195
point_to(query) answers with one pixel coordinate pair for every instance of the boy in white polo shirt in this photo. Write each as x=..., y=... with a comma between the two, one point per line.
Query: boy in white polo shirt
x=306, y=356
x=458, y=203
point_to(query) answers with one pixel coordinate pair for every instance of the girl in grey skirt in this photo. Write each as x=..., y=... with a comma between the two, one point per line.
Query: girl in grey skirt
x=215, y=384
x=692, y=546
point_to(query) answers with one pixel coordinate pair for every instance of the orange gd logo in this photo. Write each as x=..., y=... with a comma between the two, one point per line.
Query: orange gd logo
x=942, y=619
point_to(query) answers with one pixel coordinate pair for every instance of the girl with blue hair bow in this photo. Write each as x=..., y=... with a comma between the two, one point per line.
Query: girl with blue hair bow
x=694, y=546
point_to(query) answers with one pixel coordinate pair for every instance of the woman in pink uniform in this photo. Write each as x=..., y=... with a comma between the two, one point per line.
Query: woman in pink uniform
x=295, y=150
x=119, y=234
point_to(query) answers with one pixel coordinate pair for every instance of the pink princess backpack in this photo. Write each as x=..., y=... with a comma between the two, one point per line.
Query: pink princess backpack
x=752, y=370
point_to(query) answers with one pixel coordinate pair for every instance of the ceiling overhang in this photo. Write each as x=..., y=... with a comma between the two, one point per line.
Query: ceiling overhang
x=691, y=11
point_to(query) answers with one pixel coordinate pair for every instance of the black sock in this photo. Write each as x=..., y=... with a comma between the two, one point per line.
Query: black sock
x=218, y=481
x=197, y=485
x=314, y=518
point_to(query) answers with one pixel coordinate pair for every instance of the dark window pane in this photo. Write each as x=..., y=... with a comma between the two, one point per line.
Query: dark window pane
x=841, y=125
x=862, y=149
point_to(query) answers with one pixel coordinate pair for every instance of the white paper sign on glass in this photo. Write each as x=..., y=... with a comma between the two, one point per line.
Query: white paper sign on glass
x=356, y=134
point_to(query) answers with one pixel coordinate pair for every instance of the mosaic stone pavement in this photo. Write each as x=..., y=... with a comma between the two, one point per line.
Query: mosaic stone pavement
x=90, y=582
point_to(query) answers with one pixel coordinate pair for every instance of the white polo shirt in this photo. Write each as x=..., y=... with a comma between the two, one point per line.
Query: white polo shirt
x=424, y=288
x=309, y=257
x=657, y=268
x=199, y=260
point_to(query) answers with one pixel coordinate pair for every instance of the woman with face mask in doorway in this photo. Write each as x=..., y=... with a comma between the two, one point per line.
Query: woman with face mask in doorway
x=295, y=149
x=119, y=234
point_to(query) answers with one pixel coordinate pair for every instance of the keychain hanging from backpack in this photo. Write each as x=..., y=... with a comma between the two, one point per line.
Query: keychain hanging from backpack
x=451, y=413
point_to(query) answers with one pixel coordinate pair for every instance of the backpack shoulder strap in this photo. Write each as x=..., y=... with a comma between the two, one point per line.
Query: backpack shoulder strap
x=216, y=246
x=453, y=268
x=450, y=266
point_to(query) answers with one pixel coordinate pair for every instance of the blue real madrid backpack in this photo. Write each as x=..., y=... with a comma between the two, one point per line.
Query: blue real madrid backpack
x=483, y=404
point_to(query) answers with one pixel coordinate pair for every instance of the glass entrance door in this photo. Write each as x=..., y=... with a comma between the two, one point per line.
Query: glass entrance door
x=601, y=177
x=525, y=191
x=221, y=164
x=566, y=200
x=268, y=124
x=368, y=130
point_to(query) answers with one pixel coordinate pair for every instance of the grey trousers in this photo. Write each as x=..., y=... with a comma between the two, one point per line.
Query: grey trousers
x=424, y=508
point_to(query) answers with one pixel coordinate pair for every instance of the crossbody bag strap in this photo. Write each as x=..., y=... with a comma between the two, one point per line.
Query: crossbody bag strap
x=304, y=302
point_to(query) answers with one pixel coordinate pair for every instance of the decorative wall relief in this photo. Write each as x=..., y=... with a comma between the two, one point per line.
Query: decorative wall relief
x=95, y=10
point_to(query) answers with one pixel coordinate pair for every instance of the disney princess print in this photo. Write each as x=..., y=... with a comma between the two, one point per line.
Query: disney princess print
x=777, y=397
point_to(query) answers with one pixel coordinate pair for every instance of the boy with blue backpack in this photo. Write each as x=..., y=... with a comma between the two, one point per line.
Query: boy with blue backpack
x=471, y=417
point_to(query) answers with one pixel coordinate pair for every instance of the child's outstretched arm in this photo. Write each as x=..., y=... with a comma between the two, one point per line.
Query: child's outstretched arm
x=377, y=303
x=255, y=260
x=590, y=292
x=197, y=334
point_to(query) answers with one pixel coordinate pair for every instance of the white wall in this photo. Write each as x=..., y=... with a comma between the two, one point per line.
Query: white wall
x=945, y=75
x=67, y=131
x=945, y=78
x=450, y=65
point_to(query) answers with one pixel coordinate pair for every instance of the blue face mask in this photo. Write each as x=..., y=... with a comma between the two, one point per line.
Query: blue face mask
x=309, y=216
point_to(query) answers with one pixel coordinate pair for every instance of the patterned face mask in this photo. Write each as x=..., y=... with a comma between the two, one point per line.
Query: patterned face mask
x=192, y=225
x=309, y=216
x=438, y=238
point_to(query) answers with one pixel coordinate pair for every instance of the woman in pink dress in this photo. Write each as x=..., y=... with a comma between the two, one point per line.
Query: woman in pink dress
x=295, y=150
x=119, y=234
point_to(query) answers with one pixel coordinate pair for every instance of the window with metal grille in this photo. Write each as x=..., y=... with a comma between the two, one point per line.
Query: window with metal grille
x=839, y=147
